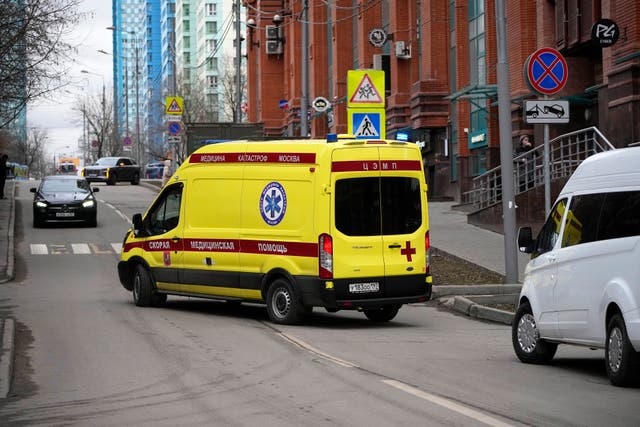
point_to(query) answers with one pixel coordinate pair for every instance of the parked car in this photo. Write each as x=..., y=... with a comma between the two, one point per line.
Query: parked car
x=153, y=170
x=581, y=286
x=112, y=170
x=64, y=198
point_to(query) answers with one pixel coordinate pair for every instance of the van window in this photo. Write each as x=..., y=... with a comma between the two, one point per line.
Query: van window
x=165, y=214
x=378, y=206
x=548, y=235
x=582, y=219
x=620, y=215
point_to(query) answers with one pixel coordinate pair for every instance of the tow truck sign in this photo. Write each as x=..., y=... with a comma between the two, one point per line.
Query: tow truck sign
x=546, y=111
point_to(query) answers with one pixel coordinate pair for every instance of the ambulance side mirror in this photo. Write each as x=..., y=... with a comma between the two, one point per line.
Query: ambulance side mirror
x=138, y=228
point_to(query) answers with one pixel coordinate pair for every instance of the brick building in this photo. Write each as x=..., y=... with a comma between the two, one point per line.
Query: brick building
x=441, y=86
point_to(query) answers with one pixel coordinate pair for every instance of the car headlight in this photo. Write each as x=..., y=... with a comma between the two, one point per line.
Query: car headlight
x=41, y=204
x=88, y=204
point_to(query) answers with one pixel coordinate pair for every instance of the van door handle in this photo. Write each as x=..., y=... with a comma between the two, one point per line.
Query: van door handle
x=395, y=246
x=551, y=258
x=175, y=239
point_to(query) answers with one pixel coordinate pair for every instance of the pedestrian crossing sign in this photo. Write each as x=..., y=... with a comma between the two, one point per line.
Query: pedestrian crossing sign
x=368, y=124
x=174, y=105
x=365, y=88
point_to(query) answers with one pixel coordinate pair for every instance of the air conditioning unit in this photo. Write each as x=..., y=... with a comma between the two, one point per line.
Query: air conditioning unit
x=403, y=51
x=274, y=47
x=273, y=32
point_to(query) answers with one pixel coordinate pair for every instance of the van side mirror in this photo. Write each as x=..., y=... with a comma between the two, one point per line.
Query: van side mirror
x=95, y=189
x=33, y=190
x=525, y=240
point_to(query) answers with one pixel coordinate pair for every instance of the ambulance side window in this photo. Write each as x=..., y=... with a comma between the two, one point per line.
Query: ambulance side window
x=165, y=214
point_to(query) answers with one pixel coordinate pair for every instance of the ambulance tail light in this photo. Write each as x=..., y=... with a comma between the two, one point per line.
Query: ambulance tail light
x=426, y=249
x=325, y=258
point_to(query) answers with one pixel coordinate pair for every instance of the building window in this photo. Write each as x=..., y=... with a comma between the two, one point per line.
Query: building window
x=212, y=27
x=477, y=71
x=212, y=45
x=212, y=81
x=210, y=9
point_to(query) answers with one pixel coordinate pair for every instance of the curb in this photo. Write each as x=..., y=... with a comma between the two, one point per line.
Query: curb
x=470, y=299
x=10, y=236
x=6, y=356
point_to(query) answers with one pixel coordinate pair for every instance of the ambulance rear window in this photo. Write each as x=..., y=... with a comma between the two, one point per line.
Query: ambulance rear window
x=378, y=206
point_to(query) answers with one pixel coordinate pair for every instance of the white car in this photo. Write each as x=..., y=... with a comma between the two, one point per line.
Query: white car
x=582, y=285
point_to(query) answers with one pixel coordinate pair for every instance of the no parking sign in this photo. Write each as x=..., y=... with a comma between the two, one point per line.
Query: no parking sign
x=546, y=71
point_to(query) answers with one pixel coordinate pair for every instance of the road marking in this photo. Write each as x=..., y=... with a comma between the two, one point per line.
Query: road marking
x=80, y=248
x=448, y=404
x=39, y=249
x=314, y=350
x=76, y=249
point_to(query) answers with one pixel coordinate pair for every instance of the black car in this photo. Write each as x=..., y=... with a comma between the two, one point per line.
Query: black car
x=554, y=109
x=64, y=198
x=112, y=170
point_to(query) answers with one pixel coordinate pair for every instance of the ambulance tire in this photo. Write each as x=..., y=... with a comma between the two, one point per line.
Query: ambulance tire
x=382, y=314
x=283, y=306
x=144, y=293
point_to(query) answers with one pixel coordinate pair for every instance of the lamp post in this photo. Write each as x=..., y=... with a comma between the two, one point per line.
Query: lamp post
x=136, y=50
x=104, y=110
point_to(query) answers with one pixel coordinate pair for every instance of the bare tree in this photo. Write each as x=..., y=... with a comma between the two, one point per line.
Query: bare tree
x=230, y=99
x=32, y=150
x=97, y=111
x=34, y=56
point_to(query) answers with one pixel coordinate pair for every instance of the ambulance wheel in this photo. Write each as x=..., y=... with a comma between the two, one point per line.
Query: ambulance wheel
x=144, y=294
x=282, y=304
x=382, y=314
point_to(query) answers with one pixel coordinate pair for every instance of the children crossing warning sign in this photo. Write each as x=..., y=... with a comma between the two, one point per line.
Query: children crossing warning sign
x=365, y=88
x=174, y=105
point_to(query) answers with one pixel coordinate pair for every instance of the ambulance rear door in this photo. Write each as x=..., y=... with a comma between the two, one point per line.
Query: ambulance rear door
x=358, y=254
x=404, y=216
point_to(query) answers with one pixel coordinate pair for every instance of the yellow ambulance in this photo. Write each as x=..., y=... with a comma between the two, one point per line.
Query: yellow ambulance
x=338, y=223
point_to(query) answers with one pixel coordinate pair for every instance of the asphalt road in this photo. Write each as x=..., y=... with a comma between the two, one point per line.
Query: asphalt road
x=85, y=355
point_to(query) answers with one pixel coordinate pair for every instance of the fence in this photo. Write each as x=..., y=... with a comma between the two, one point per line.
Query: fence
x=566, y=152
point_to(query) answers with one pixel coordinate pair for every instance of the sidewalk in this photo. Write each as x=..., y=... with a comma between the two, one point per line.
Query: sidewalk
x=449, y=232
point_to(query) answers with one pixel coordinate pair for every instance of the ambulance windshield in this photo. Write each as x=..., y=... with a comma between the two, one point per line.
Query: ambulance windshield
x=378, y=206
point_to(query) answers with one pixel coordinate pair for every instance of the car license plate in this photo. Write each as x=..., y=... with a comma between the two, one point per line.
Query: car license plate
x=361, y=288
x=65, y=214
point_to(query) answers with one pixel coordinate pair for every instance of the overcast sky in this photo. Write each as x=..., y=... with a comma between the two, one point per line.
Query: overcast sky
x=63, y=125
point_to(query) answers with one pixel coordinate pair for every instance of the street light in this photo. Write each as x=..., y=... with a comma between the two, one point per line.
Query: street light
x=104, y=109
x=139, y=145
x=115, y=96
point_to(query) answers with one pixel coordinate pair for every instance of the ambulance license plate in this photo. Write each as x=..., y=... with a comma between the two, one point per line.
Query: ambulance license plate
x=361, y=288
x=65, y=214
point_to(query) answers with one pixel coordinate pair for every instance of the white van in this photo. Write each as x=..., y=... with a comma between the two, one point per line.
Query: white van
x=582, y=285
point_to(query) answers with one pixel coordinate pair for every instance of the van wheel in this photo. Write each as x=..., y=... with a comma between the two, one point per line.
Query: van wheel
x=623, y=363
x=282, y=304
x=144, y=293
x=382, y=314
x=525, y=337
x=113, y=179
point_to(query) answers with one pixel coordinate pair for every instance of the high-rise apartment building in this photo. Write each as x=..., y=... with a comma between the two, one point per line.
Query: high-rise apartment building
x=168, y=48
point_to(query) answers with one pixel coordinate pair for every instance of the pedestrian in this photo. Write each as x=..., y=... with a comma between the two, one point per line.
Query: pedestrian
x=3, y=174
x=525, y=163
x=166, y=170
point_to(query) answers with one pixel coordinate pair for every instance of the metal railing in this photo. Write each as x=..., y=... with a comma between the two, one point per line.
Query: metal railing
x=566, y=152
